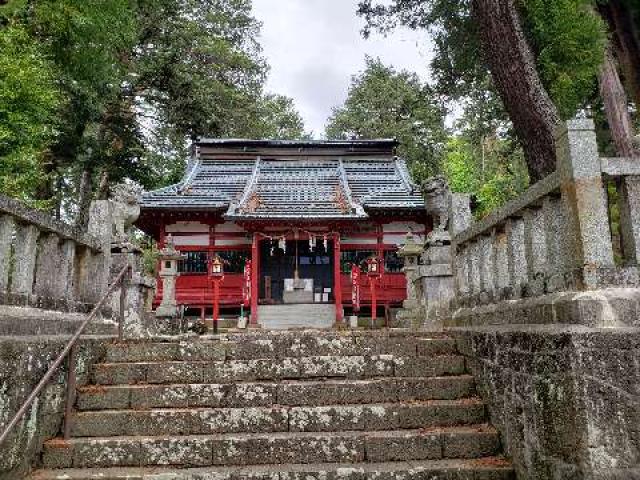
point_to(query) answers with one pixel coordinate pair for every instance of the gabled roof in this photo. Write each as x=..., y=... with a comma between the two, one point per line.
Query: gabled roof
x=291, y=180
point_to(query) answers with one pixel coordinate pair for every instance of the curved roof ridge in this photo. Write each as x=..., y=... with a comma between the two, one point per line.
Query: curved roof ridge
x=344, y=182
x=249, y=187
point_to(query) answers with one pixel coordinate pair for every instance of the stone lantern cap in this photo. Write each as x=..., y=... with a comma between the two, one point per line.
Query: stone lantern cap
x=169, y=251
x=410, y=248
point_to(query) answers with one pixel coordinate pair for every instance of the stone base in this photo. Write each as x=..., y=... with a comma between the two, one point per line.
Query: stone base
x=613, y=307
x=564, y=398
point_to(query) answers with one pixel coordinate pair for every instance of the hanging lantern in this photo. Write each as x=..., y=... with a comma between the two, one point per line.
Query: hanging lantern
x=373, y=267
x=325, y=243
x=216, y=267
x=282, y=243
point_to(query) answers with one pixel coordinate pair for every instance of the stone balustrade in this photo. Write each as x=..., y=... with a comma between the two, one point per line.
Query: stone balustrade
x=556, y=237
x=47, y=263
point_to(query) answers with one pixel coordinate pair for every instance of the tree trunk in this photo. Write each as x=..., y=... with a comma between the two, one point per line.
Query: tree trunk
x=626, y=43
x=616, y=107
x=85, y=194
x=103, y=187
x=513, y=68
x=45, y=189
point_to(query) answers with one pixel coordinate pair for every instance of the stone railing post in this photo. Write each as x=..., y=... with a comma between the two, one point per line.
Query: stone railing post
x=7, y=227
x=630, y=218
x=95, y=268
x=26, y=247
x=583, y=194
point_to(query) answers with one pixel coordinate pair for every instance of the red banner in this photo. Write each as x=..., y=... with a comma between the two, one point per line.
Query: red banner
x=355, y=287
x=246, y=285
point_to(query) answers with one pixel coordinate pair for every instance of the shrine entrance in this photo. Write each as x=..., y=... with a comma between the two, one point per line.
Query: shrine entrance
x=295, y=272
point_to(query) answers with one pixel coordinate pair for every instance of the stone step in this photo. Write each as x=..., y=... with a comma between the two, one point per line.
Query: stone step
x=487, y=468
x=332, y=418
x=276, y=369
x=273, y=448
x=278, y=346
x=304, y=315
x=309, y=392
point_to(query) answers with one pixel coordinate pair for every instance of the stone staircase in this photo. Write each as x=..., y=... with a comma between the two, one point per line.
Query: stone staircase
x=283, y=406
x=285, y=317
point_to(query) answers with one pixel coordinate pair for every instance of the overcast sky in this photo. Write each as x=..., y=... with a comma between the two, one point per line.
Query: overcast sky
x=315, y=46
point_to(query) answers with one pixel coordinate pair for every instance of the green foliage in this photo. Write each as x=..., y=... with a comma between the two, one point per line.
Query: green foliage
x=569, y=39
x=384, y=103
x=29, y=101
x=276, y=118
x=116, y=89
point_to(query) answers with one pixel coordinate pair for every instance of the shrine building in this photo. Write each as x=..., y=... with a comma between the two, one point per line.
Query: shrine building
x=289, y=219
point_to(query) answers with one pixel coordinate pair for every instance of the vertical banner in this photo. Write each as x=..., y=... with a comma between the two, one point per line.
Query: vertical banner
x=355, y=287
x=246, y=285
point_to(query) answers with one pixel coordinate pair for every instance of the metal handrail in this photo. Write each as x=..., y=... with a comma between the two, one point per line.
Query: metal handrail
x=121, y=279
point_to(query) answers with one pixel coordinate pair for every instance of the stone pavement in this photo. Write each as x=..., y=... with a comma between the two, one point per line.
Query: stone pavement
x=281, y=405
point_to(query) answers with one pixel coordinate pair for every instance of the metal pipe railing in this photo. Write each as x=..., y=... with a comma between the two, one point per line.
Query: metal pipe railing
x=121, y=279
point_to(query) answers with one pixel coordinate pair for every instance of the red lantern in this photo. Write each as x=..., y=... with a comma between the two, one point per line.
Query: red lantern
x=374, y=267
x=374, y=272
x=216, y=272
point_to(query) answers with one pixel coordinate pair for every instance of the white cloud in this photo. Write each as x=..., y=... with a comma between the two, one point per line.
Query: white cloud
x=315, y=46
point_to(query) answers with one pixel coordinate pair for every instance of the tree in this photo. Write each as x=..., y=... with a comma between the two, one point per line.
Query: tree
x=385, y=103
x=139, y=78
x=531, y=70
x=29, y=101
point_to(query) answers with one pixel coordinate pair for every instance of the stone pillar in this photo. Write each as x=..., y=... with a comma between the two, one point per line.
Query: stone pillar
x=66, y=287
x=535, y=250
x=169, y=257
x=47, y=270
x=462, y=272
x=487, y=264
x=630, y=219
x=516, y=255
x=460, y=213
x=98, y=263
x=473, y=249
x=501, y=265
x=7, y=227
x=584, y=195
x=25, y=260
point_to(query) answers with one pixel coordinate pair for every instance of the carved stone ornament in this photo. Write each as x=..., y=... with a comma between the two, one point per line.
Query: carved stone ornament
x=437, y=196
x=125, y=201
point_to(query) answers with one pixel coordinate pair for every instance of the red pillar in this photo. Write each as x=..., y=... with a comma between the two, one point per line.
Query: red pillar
x=255, y=269
x=337, y=277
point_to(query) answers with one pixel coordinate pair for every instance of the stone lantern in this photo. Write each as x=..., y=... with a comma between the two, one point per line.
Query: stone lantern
x=169, y=257
x=410, y=252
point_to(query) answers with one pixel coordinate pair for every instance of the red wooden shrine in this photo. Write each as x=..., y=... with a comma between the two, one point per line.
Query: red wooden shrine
x=274, y=211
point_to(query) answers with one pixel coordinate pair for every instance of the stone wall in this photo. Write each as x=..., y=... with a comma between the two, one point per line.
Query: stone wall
x=46, y=263
x=565, y=399
x=23, y=362
x=550, y=323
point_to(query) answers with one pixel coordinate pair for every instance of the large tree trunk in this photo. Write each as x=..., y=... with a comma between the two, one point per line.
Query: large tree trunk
x=85, y=195
x=616, y=107
x=626, y=43
x=512, y=65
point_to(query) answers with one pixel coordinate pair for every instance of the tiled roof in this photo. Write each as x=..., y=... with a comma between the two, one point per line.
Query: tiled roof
x=326, y=188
